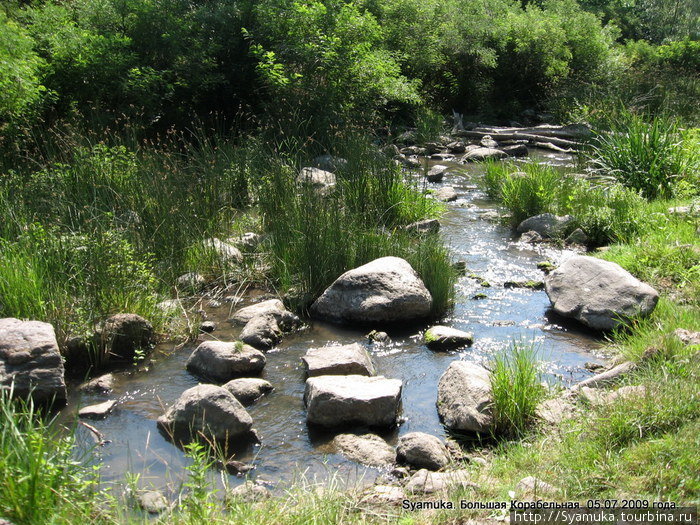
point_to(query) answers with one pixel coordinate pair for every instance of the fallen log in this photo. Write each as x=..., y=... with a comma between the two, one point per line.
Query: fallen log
x=501, y=137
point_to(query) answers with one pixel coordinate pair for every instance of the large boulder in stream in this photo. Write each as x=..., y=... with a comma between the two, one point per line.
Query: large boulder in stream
x=221, y=361
x=286, y=320
x=340, y=401
x=597, y=293
x=123, y=335
x=465, y=398
x=30, y=362
x=547, y=225
x=385, y=290
x=209, y=411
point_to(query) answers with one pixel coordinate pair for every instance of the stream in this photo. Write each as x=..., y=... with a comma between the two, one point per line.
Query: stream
x=289, y=449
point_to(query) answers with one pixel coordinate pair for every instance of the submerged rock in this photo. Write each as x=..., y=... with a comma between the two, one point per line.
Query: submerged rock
x=464, y=398
x=597, y=293
x=446, y=338
x=211, y=411
x=422, y=450
x=30, y=361
x=368, y=449
x=446, y=194
x=152, y=501
x=249, y=491
x=383, y=291
x=337, y=401
x=221, y=361
x=338, y=360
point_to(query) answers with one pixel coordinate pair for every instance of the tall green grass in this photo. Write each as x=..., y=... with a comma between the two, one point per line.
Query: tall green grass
x=516, y=387
x=41, y=475
x=644, y=153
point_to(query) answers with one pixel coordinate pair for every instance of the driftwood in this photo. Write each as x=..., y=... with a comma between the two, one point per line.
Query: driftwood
x=518, y=135
x=571, y=131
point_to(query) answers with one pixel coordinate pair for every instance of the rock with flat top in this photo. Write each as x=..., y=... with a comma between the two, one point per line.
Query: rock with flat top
x=482, y=153
x=338, y=360
x=427, y=482
x=337, y=401
x=222, y=361
x=385, y=290
x=597, y=293
x=30, y=362
x=99, y=411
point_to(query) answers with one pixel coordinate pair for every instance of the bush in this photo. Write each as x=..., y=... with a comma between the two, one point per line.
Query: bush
x=516, y=388
x=644, y=154
x=531, y=195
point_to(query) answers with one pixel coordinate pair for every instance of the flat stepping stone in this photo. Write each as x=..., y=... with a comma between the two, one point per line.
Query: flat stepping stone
x=222, y=361
x=337, y=401
x=338, y=360
x=99, y=411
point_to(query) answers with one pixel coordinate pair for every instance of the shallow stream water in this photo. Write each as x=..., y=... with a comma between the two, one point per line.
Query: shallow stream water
x=289, y=448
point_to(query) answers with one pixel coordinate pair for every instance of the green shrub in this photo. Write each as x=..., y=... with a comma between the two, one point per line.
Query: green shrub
x=533, y=194
x=642, y=153
x=516, y=388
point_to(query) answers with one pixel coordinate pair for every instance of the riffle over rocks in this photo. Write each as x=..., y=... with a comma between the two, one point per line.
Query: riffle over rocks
x=383, y=291
x=597, y=293
x=30, y=362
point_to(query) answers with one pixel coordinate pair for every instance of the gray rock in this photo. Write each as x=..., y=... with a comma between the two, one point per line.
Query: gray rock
x=98, y=411
x=248, y=389
x=516, y=150
x=368, y=449
x=446, y=194
x=338, y=360
x=385, y=290
x=424, y=227
x=122, y=335
x=446, y=338
x=445, y=157
x=547, y=225
x=578, y=236
x=207, y=327
x=384, y=495
x=480, y=154
x=29, y=359
x=456, y=147
x=336, y=401
x=226, y=252
x=329, y=163
x=554, y=411
x=190, y=282
x=422, y=450
x=170, y=306
x=531, y=237
x=321, y=180
x=211, y=411
x=597, y=293
x=488, y=142
x=249, y=492
x=152, y=501
x=221, y=361
x=687, y=337
x=464, y=397
x=99, y=385
x=378, y=337
x=427, y=482
x=531, y=486
x=286, y=320
x=436, y=173
x=248, y=241
x=262, y=332
x=409, y=162
x=597, y=396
